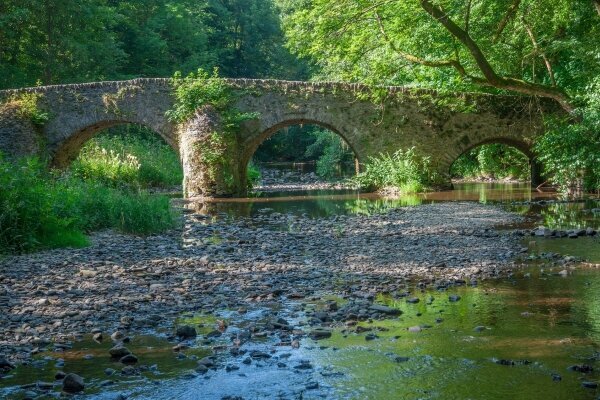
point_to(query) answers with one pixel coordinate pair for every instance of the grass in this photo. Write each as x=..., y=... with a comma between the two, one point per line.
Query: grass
x=129, y=156
x=40, y=209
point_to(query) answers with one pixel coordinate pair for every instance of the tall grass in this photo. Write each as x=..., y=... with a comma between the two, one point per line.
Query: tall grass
x=131, y=156
x=403, y=171
x=39, y=209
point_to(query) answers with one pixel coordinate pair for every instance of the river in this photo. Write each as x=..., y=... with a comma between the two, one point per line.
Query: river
x=523, y=336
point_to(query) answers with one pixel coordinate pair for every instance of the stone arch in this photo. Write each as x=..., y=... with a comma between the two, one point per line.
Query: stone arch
x=68, y=149
x=250, y=146
x=521, y=145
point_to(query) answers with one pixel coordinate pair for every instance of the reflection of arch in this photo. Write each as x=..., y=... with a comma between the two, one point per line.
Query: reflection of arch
x=68, y=149
x=257, y=140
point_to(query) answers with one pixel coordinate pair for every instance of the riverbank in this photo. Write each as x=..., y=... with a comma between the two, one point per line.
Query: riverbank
x=55, y=296
x=288, y=179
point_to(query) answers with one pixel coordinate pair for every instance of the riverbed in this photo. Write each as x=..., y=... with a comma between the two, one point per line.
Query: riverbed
x=334, y=294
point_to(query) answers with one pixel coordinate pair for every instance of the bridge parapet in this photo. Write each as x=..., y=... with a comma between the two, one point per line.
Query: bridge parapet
x=370, y=119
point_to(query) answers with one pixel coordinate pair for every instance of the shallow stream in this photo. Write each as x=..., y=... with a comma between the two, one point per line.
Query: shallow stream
x=515, y=338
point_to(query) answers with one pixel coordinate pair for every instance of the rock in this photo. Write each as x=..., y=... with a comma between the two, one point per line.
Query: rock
x=186, y=332
x=304, y=364
x=371, y=336
x=98, y=337
x=117, y=335
x=59, y=375
x=312, y=385
x=257, y=354
x=5, y=364
x=453, y=298
x=211, y=334
x=119, y=351
x=479, y=328
x=320, y=333
x=73, y=383
x=385, y=309
x=415, y=329
x=556, y=377
x=207, y=361
x=201, y=369
x=413, y=300
x=400, y=359
x=584, y=368
x=589, y=385
x=129, y=359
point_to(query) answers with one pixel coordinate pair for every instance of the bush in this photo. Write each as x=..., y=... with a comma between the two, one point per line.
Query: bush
x=330, y=151
x=570, y=152
x=496, y=161
x=253, y=174
x=129, y=156
x=404, y=171
x=41, y=210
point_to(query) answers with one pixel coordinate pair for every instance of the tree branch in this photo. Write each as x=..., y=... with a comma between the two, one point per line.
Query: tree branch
x=418, y=60
x=597, y=4
x=516, y=85
x=537, y=51
x=507, y=17
x=468, y=15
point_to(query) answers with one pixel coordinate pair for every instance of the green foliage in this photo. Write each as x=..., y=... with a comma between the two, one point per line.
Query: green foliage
x=86, y=40
x=495, y=161
x=331, y=153
x=39, y=210
x=28, y=108
x=570, y=152
x=307, y=143
x=405, y=171
x=129, y=156
x=200, y=89
x=345, y=40
x=253, y=175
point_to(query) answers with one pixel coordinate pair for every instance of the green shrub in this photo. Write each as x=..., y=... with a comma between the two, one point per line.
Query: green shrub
x=570, y=152
x=496, y=161
x=40, y=210
x=330, y=152
x=405, y=171
x=130, y=156
x=253, y=174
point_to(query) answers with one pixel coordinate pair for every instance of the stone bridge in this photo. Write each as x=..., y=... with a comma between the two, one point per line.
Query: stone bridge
x=440, y=126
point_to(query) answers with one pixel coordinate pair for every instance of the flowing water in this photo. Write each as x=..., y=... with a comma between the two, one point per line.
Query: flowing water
x=514, y=338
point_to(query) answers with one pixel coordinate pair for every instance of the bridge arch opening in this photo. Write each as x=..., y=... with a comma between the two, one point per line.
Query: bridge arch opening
x=496, y=160
x=299, y=149
x=121, y=153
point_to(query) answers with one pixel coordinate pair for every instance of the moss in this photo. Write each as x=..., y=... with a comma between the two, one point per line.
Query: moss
x=28, y=106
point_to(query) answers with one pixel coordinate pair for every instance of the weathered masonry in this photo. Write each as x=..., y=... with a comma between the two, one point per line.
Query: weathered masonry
x=440, y=126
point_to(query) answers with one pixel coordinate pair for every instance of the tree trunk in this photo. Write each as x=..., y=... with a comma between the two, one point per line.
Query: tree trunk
x=490, y=76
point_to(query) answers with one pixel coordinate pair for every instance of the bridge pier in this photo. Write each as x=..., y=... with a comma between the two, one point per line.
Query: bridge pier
x=209, y=157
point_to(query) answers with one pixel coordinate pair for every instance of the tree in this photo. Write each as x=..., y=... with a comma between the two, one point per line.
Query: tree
x=546, y=48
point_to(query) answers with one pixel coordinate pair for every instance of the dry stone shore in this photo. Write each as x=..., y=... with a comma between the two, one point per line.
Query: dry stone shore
x=289, y=180
x=131, y=284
